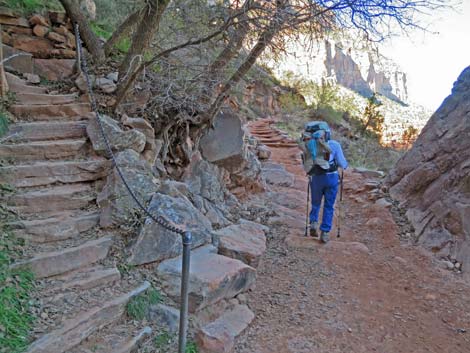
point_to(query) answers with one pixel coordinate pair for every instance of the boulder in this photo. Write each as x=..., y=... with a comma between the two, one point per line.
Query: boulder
x=206, y=184
x=118, y=139
x=249, y=176
x=223, y=145
x=245, y=242
x=155, y=243
x=212, y=277
x=432, y=180
x=54, y=69
x=117, y=206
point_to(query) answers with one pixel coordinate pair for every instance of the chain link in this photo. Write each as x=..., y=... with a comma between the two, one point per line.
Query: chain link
x=159, y=219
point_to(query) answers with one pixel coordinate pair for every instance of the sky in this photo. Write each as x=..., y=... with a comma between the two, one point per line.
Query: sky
x=433, y=61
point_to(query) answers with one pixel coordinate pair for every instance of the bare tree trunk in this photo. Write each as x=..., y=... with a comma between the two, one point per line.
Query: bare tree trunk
x=141, y=39
x=234, y=45
x=89, y=37
x=123, y=29
x=265, y=38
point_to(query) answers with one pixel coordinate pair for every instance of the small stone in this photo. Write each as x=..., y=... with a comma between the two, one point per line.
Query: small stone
x=446, y=265
x=38, y=20
x=56, y=37
x=383, y=203
x=106, y=85
x=81, y=82
x=44, y=315
x=62, y=30
x=113, y=76
x=400, y=260
x=458, y=265
x=263, y=152
x=32, y=78
x=349, y=329
x=40, y=30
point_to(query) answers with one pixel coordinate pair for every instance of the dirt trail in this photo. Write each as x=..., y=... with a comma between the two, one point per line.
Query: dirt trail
x=364, y=292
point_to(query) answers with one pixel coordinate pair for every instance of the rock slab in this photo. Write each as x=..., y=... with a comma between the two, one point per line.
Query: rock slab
x=432, y=180
x=245, y=242
x=155, y=243
x=212, y=277
x=219, y=335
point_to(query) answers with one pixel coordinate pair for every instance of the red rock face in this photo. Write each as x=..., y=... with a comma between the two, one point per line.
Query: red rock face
x=433, y=179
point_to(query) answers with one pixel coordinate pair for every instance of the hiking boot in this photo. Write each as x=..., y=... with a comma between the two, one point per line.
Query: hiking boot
x=324, y=237
x=314, y=229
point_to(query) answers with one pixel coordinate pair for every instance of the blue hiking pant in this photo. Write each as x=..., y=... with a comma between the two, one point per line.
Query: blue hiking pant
x=325, y=185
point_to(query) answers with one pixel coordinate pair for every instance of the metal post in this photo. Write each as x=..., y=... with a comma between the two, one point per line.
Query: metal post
x=340, y=202
x=187, y=239
x=307, y=216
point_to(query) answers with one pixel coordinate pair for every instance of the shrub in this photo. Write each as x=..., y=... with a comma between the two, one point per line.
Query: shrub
x=27, y=7
x=138, y=306
x=15, y=291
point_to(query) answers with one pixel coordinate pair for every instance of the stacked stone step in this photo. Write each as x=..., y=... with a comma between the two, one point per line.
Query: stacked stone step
x=42, y=36
x=48, y=159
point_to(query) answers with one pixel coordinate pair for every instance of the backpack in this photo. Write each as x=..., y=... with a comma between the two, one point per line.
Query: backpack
x=316, y=159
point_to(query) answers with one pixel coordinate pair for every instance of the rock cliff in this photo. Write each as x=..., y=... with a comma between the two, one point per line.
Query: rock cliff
x=432, y=180
x=354, y=64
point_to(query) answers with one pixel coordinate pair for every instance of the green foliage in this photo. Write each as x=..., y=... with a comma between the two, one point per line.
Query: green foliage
x=409, y=135
x=15, y=291
x=123, y=45
x=101, y=30
x=110, y=13
x=369, y=153
x=292, y=102
x=125, y=268
x=373, y=118
x=162, y=340
x=324, y=94
x=191, y=347
x=3, y=123
x=138, y=306
x=27, y=7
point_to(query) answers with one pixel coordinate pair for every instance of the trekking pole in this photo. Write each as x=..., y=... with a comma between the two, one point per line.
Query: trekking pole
x=340, y=202
x=308, y=203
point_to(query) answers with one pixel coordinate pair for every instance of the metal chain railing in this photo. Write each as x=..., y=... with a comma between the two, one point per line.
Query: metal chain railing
x=159, y=219
x=156, y=218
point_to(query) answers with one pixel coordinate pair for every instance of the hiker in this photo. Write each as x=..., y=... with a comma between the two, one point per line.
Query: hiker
x=321, y=158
